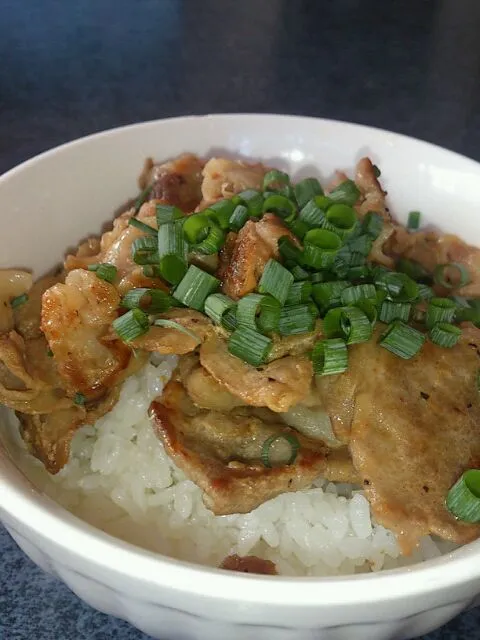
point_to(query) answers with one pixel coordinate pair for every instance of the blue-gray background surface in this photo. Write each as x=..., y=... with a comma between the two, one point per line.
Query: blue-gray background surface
x=72, y=68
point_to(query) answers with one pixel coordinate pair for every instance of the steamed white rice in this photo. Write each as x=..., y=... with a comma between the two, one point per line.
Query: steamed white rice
x=120, y=479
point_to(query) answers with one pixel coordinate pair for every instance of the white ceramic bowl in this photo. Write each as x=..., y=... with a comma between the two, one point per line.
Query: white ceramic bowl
x=56, y=199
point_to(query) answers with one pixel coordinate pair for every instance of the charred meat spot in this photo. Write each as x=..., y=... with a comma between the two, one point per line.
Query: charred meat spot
x=366, y=482
x=469, y=405
x=425, y=488
x=424, y=395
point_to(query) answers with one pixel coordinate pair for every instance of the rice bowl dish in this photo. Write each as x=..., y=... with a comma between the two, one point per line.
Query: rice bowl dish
x=325, y=529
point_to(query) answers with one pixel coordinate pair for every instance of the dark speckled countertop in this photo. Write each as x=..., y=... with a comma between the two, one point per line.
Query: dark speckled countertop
x=72, y=68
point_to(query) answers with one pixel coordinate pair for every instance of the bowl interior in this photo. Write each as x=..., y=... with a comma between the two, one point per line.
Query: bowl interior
x=52, y=202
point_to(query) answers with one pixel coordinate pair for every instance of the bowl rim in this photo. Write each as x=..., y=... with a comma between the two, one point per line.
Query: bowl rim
x=55, y=524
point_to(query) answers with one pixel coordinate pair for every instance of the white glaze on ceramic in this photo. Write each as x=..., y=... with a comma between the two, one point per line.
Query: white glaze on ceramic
x=58, y=198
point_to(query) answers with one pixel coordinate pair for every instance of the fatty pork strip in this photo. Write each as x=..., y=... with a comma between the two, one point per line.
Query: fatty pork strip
x=413, y=427
x=222, y=452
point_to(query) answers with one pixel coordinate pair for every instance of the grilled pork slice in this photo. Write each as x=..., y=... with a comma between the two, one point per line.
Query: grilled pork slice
x=177, y=182
x=222, y=178
x=221, y=452
x=413, y=428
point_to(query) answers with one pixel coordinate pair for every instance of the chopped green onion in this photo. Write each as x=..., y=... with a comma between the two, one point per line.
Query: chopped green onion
x=444, y=334
x=131, y=325
x=361, y=244
x=253, y=200
x=138, y=224
x=320, y=248
x=289, y=250
x=281, y=206
x=424, y=291
x=467, y=314
x=145, y=250
x=369, y=308
x=463, y=499
x=312, y=214
x=328, y=294
x=212, y=243
x=413, y=269
x=104, y=271
x=346, y=193
x=275, y=180
x=376, y=171
x=196, y=228
x=79, y=399
x=239, y=217
x=171, y=324
x=149, y=300
x=258, y=312
x=359, y=273
x=340, y=218
x=398, y=286
x=351, y=295
x=167, y=213
x=291, y=439
x=321, y=276
x=349, y=323
x=18, y=301
x=440, y=310
x=394, y=311
x=372, y=224
x=49, y=353
x=172, y=252
x=306, y=190
x=402, y=340
x=250, y=346
x=151, y=271
x=229, y=320
x=298, y=228
x=298, y=273
x=330, y=357
x=296, y=319
x=195, y=287
x=275, y=280
x=142, y=197
x=299, y=292
x=443, y=275
x=413, y=220
x=220, y=212
x=216, y=306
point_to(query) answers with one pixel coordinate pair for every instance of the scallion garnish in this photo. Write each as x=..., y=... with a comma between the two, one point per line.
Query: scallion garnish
x=104, y=271
x=145, y=250
x=299, y=292
x=394, y=311
x=275, y=280
x=440, y=310
x=312, y=214
x=298, y=228
x=217, y=305
x=49, y=353
x=138, y=224
x=275, y=180
x=320, y=248
x=372, y=224
x=171, y=324
x=151, y=271
x=402, y=340
x=250, y=346
x=306, y=190
x=195, y=287
x=258, y=312
x=452, y=275
x=298, y=273
x=79, y=399
x=196, y=227
x=330, y=357
x=376, y=171
x=282, y=206
x=142, y=197
x=346, y=193
x=463, y=499
x=167, y=213
x=213, y=242
x=348, y=323
x=359, y=273
x=296, y=319
x=291, y=439
x=351, y=295
x=445, y=335
x=18, y=301
x=328, y=294
x=413, y=220
x=289, y=250
x=131, y=325
x=172, y=252
x=253, y=200
x=361, y=244
x=398, y=286
x=239, y=217
x=369, y=308
x=149, y=300
x=220, y=213
x=340, y=218
x=424, y=291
